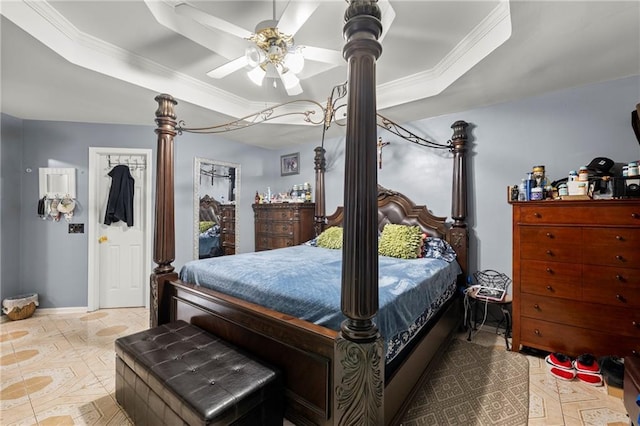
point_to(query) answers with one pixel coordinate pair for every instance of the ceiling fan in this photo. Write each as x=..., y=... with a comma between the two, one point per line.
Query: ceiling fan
x=271, y=52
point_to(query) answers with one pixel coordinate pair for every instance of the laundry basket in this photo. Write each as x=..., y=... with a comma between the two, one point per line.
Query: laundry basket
x=21, y=306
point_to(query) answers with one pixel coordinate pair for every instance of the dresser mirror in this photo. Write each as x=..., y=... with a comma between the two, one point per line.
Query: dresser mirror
x=215, y=190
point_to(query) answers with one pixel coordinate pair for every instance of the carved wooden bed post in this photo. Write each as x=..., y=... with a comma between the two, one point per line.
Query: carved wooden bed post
x=359, y=356
x=320, y=212
x=459, y=237
x=164, y=233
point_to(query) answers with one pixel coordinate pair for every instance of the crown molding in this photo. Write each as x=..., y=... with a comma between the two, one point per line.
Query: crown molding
x=488, y=35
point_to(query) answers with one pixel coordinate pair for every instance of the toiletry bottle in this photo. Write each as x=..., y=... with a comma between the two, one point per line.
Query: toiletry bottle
x=530, y=184
x=522, y=191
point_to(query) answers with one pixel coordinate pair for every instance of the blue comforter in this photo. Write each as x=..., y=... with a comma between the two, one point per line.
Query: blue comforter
x=304, y=281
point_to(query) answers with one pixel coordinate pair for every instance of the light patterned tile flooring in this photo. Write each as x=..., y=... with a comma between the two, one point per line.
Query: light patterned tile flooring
x=58, y=369
x=555, y=402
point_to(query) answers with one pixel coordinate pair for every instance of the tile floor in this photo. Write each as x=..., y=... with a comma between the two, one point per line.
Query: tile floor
x=58, y=369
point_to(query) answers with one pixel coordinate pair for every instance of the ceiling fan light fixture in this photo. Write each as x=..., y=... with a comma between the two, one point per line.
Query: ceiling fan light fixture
x=294, y=60
x=257, y=75
x=254, y=56
x=274, y=55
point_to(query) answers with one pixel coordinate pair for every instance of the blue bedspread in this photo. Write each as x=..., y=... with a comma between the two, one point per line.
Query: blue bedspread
x=304, y=281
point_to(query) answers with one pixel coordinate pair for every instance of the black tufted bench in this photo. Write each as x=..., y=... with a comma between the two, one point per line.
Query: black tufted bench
x=178, y=374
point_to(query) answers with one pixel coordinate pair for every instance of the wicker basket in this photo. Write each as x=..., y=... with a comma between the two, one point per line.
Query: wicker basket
x=20, y=307
x=22, y=313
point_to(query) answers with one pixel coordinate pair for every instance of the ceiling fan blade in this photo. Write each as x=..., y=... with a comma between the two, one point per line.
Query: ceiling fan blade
x=295, y=15
x=228, y=68
x=185, y=9
x=320, y=54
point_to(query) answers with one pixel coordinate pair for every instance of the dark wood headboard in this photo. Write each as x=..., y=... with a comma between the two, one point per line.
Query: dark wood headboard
x=209, y=210
x=394, y=207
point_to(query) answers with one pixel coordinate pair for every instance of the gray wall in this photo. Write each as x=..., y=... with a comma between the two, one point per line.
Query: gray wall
x=562, y=130
x=41, y=256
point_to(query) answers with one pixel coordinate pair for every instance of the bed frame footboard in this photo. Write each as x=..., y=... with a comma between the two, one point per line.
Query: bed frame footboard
x=302, y=350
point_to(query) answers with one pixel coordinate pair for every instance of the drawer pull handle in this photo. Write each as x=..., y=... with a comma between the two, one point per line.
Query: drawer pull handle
x=536, y=214
x=549, y=288
x=619, y=238
x=620, y=258
x=549, y=253
x=619, y=277
x=536, y=307
x=635, y=324
x=549, y=270
x=620, y=298
x=635, y=215
x=536, y=332
x=549, y=235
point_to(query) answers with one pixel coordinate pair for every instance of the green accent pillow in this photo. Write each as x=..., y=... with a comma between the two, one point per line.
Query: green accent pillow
x=205, y=225
x=330, y=238
x=401, y=241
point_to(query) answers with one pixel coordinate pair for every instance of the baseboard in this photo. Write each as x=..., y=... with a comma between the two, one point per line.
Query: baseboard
x=70, y=310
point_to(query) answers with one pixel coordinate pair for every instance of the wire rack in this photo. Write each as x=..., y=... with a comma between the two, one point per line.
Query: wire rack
x=493, y=279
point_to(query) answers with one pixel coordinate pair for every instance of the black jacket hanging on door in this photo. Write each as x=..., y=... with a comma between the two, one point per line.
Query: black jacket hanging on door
x=120, y=202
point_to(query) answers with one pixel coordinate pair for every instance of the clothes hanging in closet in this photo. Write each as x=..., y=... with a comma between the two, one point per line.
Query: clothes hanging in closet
x=120, y=202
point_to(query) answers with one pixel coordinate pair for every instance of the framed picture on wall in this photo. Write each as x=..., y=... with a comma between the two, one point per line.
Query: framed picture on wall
x=290, y=164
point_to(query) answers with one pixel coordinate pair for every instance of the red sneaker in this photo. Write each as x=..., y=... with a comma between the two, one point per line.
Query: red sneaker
x=559, y=360
x=586, y=363
x=560, y=366
x=562, y=373
x=593, y=379
x=588, y=370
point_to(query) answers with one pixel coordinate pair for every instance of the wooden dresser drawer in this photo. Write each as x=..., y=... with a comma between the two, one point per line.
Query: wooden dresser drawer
x=616, y=237
x=574, y=341
x=271, y=242
x=550, y=251
x=550, y=272
x=550, y=288
x=612, y=286
x=610, y=214
x=275, y=227
x=545, y=235
x=612, y=255
x=539, y=213
x=605, y=318
x=275, y=214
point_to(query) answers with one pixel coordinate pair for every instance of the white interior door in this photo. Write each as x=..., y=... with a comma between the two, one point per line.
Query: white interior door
x=121, y=254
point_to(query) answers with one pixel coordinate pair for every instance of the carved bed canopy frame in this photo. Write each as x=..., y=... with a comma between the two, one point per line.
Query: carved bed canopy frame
x=358, y=348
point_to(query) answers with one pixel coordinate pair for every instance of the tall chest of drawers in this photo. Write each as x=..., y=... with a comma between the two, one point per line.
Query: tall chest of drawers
x=228, y=231
x=576, y=276
x=280, y=225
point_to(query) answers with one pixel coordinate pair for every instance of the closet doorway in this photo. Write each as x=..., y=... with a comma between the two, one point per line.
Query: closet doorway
x=120, y=256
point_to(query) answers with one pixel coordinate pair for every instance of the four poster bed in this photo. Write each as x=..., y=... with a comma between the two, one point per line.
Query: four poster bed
x=333, y=374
